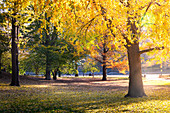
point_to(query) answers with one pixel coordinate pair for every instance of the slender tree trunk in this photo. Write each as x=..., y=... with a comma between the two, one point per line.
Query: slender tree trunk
x=55, y=74
x=104, y=60
x=47, y=75
x=0, y=62
x=37, y=70
x=14, y=51
x=59, y=73
x=76, y=75
x=104, y=72
x=135, y=75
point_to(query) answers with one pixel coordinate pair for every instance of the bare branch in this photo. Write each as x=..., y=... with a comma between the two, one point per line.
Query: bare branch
x=148, y=8
x=121, y=1
x=157, y=3
x=151, y=49
x=98, y=60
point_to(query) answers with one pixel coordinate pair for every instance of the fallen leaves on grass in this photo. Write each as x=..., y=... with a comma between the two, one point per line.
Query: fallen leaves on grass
x=82, y=96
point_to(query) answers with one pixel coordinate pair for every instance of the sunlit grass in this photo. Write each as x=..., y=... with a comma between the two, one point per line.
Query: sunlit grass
x=83, y=98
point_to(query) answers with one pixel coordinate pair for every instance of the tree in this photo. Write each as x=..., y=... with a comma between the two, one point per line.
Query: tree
x=33, y=62
x=15, y=10
x=89, y=65
x=124, y=20
x=109, y=57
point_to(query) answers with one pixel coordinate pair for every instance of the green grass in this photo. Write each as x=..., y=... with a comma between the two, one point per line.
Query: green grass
x=69, y=95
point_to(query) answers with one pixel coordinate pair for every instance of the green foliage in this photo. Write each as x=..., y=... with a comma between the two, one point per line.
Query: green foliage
x=4, y=39
x=89, y=65
x=34, y=62
x=6, y=61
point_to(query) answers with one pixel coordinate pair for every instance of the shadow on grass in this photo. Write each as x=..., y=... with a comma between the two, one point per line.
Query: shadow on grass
x=73, y=95
x=93, y=102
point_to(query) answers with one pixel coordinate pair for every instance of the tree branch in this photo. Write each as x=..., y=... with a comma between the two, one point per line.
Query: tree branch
x=88, y=23
x=118, y=59
x=157, y=3
x=121, y=1
x=98, y=60
x=151, y=49
x=109, y=25
x=148, y=8
x=106, y=19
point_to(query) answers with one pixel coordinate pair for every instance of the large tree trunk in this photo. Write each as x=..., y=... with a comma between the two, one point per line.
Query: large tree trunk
x=135, y=75
x=14, y=51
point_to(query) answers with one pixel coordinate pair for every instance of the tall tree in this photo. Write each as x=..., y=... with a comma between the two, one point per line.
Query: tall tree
x=14, y=51
x=16, y=9
x=108, y=56
x=125, y=21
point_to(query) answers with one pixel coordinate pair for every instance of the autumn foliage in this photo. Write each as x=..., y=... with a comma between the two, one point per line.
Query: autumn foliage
x=120, y=27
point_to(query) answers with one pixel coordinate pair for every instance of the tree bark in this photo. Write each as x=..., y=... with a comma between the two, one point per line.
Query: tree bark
x=14, y=52
x=59, y=73
x=36, y=70
x=104, y=73
x=104, y=60
x=0, y=62
x=55, y=74
x=76, y=66
x=135, y=74
x=47, y=75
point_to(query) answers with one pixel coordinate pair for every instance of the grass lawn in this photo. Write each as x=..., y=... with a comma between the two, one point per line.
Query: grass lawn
x=81, y=95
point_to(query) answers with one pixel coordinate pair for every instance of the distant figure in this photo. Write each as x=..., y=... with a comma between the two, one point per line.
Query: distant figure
x=144, y=76
x=89, y=74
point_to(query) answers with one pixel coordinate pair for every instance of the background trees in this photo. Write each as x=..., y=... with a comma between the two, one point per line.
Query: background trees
x=104, y=51
x=4, y=36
